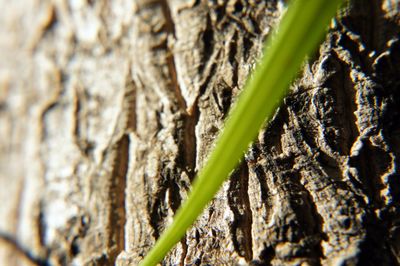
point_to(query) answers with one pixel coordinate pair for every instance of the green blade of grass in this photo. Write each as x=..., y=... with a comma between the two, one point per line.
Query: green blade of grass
x=299, y=34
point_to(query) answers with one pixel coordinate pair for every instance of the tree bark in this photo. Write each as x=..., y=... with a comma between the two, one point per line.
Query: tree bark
x=108, y=109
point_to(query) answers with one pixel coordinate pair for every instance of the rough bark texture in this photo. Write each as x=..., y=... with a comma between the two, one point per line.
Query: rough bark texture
x=109, y=108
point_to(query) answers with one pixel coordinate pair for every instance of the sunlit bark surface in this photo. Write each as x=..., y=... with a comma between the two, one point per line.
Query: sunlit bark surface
x=109, y=108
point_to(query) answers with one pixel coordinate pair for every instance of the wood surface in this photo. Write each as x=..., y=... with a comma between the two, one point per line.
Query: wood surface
x=109, y=108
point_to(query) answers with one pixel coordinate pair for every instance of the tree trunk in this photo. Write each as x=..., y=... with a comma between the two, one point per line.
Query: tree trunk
x=108, y=109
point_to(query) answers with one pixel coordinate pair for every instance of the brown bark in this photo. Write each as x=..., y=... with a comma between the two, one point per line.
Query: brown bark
x=109, y=108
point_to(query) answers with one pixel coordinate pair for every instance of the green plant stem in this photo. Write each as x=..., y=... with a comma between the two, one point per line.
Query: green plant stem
x=299, y=34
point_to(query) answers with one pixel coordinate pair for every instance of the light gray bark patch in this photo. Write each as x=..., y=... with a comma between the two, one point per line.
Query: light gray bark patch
x=20, y=251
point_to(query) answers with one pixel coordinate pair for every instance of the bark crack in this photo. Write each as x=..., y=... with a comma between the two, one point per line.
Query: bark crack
x=116, y=193
x=346, y=98
x=239, y=203
x=170, y=30
x=129, y=103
